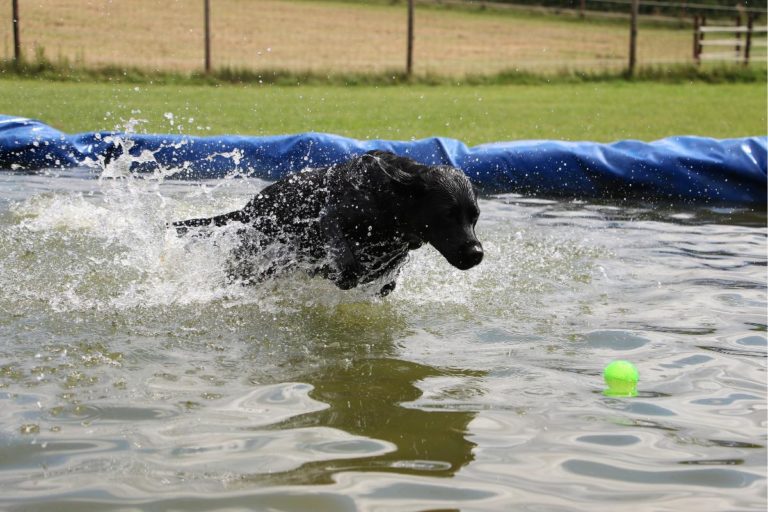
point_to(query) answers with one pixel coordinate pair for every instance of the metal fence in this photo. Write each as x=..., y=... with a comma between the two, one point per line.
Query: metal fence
x=449, y=37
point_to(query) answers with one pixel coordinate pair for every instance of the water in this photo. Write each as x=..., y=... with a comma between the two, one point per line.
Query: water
x=134, y=377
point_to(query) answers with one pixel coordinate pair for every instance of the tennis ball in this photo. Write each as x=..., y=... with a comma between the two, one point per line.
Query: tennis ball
x=621, y=378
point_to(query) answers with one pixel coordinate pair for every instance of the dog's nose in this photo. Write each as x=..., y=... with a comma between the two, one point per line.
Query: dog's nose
x=472, y=254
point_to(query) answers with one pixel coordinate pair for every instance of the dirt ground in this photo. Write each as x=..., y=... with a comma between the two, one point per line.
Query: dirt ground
x=323, y=36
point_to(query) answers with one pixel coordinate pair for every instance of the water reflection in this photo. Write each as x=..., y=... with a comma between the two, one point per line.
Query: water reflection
x=364, y=399
x=365, y=394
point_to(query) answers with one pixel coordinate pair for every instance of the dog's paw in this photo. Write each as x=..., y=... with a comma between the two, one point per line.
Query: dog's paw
x=387, y=289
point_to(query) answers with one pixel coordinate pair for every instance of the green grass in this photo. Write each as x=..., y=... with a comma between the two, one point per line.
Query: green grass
x=599, y=111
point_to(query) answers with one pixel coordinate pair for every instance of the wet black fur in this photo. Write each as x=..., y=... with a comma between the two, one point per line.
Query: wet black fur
x=354, y=223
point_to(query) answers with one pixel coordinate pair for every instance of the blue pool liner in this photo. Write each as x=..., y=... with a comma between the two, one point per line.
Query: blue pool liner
x=674, y=170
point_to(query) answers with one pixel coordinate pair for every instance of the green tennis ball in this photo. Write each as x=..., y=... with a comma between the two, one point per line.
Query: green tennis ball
x=621, y=378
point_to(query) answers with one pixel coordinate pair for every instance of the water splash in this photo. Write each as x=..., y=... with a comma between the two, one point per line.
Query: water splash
x=109, y=247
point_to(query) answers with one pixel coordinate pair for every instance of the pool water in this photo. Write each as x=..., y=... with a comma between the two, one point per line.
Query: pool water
x=134, y=377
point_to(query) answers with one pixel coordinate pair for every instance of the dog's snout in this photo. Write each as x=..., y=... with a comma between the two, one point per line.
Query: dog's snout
x=472, y=254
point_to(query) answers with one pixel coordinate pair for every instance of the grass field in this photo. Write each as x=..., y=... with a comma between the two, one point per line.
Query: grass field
x=590, y=111
x=328, y=36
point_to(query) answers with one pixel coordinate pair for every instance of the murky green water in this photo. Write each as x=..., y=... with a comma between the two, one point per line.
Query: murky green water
x=132, y=377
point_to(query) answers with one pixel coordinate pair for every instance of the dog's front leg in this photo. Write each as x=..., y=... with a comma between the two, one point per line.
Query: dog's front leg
x=347, y=274
x=346, y=271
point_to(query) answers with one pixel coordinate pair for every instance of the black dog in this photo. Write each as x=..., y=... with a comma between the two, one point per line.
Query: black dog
x=354, y=223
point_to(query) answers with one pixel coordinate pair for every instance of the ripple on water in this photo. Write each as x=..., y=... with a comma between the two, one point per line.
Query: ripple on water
x=713, y=478
x=133, y=375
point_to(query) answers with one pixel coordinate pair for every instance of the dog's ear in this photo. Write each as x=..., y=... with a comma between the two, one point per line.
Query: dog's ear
x=394, y=167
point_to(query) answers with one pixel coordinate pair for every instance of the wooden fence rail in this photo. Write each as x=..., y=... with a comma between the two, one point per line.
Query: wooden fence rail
x=740, y=50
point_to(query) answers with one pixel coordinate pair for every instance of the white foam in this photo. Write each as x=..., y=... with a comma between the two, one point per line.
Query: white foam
x=108, y=246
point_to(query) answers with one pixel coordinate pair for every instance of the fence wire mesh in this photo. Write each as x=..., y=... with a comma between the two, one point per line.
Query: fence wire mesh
x=452, y=37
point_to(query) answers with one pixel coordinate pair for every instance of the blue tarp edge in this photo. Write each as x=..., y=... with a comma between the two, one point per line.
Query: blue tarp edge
x=683, y=169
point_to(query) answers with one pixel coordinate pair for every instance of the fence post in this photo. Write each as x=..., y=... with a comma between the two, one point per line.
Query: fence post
x=16, y=39
x=409, y=58
x=696, y=58
x=698, y=35
x=738, y=36
x=748, y=43
x=633, y=36
x=207, y=16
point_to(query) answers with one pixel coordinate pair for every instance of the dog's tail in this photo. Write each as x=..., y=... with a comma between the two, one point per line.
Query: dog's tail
x=182, y=226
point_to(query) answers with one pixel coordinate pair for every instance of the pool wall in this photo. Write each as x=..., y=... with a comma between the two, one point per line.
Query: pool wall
x=684, y=169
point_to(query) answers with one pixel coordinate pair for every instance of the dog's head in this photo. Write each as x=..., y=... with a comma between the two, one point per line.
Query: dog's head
x=440, y=207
